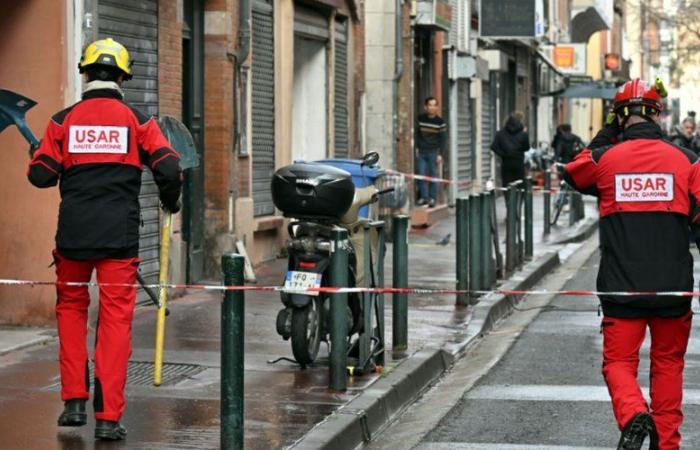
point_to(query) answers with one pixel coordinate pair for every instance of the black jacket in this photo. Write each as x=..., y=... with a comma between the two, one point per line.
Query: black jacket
x=648, y=192
x=566, y=146
x=681, y=140
x=96, y=150
x=511, y=143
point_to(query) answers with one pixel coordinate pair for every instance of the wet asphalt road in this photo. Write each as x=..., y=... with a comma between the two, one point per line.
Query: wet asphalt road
x=547, y=392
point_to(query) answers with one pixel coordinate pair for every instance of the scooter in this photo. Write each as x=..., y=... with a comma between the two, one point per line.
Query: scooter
x=319, y=198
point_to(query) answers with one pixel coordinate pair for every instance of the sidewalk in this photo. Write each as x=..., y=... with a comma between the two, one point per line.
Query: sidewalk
x=284, y=405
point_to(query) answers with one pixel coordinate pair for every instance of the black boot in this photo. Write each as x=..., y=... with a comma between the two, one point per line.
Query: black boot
x=73, y=414
x=636, y=431
x=109, y=431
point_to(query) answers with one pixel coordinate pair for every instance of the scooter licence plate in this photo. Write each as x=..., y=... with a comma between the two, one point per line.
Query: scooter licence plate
x=297, y=282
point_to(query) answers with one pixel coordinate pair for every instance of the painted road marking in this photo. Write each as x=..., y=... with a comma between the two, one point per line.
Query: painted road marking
x=554, y=393
x=495, y=446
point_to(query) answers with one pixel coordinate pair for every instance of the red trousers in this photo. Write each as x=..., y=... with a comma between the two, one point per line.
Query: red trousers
x=622, y=339
x=113, y=334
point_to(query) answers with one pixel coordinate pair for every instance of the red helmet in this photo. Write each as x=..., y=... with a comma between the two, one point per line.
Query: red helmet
x=639, y=98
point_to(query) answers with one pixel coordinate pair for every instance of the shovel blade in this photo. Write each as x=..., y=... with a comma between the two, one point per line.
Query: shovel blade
x=181, y=140
x=13, y=108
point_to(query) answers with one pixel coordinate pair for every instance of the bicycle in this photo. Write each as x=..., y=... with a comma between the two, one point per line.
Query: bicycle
x=560, y=198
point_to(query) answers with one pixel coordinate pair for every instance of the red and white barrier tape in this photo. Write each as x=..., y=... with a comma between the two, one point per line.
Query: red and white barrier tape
x=432, y=179
x=350, y=290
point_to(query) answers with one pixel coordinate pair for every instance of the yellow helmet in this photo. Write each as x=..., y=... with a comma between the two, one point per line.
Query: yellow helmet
x=106, y=52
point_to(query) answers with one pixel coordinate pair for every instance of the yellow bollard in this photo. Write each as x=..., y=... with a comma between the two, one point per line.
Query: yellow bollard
x=162, y=297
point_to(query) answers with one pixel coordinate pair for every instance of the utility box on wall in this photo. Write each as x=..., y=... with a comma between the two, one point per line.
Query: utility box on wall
x=434, y=14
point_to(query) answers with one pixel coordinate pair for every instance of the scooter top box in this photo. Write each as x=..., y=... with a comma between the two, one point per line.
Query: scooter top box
x=312, y=190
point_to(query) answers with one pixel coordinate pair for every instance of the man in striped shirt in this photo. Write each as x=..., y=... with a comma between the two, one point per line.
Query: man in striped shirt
x=431, y=140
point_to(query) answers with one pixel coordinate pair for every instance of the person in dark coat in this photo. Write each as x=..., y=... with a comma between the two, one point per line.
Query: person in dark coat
x=566, y=144
x=683, y=136
x=510, y=144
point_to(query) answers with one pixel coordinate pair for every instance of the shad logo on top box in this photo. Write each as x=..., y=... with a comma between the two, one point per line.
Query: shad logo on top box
x=644, y=187
x=98, y=139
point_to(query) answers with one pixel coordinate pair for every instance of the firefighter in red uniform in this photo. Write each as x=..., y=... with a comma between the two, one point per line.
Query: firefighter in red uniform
x=96, y=150
x=649, y=192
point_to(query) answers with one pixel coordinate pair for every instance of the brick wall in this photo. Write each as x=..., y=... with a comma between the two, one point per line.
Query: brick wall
x=169, y=58
x=219, y=162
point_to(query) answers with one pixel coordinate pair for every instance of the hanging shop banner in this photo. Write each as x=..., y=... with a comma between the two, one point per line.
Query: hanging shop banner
x=508, y=18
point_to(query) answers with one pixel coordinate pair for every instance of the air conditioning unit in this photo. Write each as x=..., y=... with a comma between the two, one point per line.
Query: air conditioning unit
x=435, y=14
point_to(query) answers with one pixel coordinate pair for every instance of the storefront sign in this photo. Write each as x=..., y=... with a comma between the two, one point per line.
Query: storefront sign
x=569, y=58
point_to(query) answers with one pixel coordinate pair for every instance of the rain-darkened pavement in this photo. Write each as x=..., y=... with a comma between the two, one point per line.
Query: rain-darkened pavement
x=546, y=392
x=282, y=402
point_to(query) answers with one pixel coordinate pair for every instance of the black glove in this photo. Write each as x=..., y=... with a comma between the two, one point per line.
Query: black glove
x=170, y=206
x=608, y=135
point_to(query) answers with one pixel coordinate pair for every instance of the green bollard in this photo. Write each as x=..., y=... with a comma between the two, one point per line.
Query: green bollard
x=462, y=246
x=338, y=379
x=485, y=244
x=399, y=311
x=511, y=229
x=529, y=233
x=547, y=198
x=232, y=334
x=572, y=208
x=476, y=266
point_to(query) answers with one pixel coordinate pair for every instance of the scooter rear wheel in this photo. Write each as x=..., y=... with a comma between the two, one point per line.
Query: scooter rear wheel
x=306, y=333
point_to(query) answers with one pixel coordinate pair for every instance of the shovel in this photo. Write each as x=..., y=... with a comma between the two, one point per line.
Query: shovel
x=13, y=108
x=181, y=141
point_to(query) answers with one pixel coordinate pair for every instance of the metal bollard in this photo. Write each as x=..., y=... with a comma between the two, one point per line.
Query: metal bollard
x=547, y=198
x=338, y=379
x=511, y=229
x=462, y=246
x=399, y=310
x=572, y=208
x=499, y=269
x=475, y=264
x=529, y=234
x=232, y=334
x=486, y=271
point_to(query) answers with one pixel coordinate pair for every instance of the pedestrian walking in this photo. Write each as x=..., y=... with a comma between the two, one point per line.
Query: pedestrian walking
x=96, y=149
x=647, y=190
x=510, y=144
x=431, y=140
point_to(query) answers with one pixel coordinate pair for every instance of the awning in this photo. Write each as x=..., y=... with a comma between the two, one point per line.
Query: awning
x=585, y=23
x=590, y=90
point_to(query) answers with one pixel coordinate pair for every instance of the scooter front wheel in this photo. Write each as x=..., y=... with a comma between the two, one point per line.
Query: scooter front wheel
x=306, y=333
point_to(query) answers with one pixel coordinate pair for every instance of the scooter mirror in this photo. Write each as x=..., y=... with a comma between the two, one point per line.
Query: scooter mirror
x=370, y=159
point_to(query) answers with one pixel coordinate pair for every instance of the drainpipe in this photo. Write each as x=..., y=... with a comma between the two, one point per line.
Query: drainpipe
x=398, y=74
x=241, y=80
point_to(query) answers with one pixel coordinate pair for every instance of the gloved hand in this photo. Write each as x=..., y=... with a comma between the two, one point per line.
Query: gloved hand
x=171, y=207
x=608, y=134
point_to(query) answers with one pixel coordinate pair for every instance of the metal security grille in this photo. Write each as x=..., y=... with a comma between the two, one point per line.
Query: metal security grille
x=487, y=129
x=342, y=141
x=134, y=23
x=140, y=373
x=263, y=72
x=464, y=135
